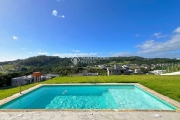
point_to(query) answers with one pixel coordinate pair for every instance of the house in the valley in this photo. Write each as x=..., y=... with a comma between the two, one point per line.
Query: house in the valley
x=157, y=72
x=36, y=76
x=137, y=71
x=118, y=70
x=21, y=80
x=86, y=73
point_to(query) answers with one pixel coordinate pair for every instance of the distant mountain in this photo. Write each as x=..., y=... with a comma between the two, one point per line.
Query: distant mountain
x=55, y=61
x=40, y=61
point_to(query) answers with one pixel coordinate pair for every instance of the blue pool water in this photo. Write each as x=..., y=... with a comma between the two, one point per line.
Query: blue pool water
x=89, y=97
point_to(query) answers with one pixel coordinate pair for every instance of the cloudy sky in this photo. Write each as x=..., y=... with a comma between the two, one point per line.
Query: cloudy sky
x=68, y=28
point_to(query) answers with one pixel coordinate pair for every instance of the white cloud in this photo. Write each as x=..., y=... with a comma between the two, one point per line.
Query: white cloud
x=75, y=50
x=177, y=30
x=42, y=53
x=62, y=55
x=137, y=35
x=62, y=16
x=151, y=46
x=162, y=36
x=169, y=54
x=15, y=38
x=55, y=12
x=159, y=35
x=30, y=52
x=23, y=48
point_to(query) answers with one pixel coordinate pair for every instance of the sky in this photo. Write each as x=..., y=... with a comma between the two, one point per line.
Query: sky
x=89, y=28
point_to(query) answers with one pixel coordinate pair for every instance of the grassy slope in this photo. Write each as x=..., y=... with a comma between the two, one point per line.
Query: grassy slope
x=166, y=85
x=8, y=67
x=2, y=72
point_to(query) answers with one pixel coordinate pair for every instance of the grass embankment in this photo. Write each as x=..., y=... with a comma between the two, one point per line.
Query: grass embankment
x=166, y=85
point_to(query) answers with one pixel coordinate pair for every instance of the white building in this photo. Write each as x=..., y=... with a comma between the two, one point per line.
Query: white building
x=102, y=66
x=157, y=72
x=137, y=71
x=118, y=70
x=21, y=80
x=85, y=73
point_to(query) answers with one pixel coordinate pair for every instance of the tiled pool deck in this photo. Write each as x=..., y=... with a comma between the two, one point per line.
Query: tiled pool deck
x=89, y=115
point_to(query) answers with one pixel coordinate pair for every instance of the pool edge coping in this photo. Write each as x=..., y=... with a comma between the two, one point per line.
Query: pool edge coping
x=156, y=94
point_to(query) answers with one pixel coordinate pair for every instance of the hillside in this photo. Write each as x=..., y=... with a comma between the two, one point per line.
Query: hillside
x=56, y=64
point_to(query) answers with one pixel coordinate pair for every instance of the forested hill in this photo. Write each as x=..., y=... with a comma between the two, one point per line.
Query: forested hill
x=40, y=61
x=46, y=60
x=64, y=66
x=43, y=60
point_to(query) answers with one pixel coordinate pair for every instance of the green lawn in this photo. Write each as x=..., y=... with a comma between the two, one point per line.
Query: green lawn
x=8, y=67
x=166, y=85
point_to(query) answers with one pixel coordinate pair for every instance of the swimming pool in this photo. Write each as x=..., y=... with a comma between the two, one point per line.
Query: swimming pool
x=120, y=97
